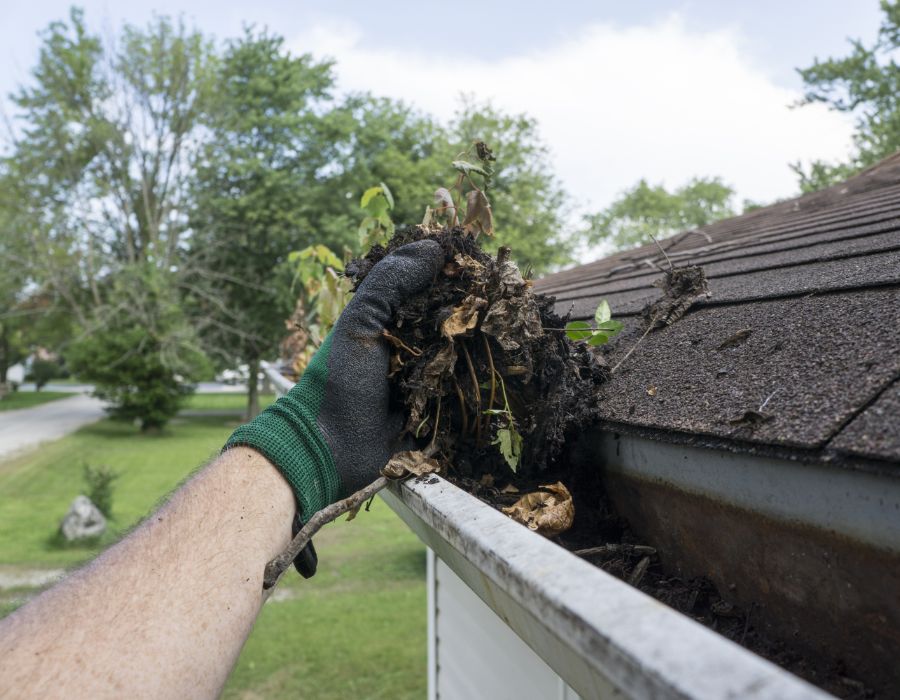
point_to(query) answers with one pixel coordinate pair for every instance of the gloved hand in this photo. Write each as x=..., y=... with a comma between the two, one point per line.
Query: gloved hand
x=333, y=432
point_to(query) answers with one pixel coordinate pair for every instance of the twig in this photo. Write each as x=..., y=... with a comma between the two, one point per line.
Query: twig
x=437, y=422
x=768, y=398
x=490, y=357
x=477, y=390
x=415, y=352
x=628, y=354
x=663, y=251
x=280, y=564
x=462, y=407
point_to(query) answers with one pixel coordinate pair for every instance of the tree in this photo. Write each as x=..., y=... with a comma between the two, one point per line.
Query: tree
x=101, y=162
x=141, y=351
x=647, y=211
x=866, y=84
x=253, y=196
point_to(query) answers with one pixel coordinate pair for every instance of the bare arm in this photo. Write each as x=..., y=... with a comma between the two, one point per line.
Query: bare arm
x=165, y=612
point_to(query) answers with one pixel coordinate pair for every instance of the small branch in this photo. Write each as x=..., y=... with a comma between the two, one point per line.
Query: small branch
x=280, y=564
x=663, y=251
x=477, y=390
x=490, y=357
x=462, y=407
x=437, y=422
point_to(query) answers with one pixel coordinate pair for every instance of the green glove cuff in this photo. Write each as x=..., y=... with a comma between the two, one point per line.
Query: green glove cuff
x=287, y=434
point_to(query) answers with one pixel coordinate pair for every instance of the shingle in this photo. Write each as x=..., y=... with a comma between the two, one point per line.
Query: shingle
x=817, y=360
x=875, y=432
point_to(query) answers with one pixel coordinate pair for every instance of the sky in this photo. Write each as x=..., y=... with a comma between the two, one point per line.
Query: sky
x=661, y=89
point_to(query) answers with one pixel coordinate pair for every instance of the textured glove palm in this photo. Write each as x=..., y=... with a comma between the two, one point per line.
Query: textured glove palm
x=333, y=432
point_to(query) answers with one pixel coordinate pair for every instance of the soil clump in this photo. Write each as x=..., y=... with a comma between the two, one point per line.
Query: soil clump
x=482, y=365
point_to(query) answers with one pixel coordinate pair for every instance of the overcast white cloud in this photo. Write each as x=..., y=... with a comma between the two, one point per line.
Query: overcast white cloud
x=615, y=104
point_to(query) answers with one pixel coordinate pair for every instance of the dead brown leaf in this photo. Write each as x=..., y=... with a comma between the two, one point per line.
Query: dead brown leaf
x=402, y=464
x=443, y=205
x=549, y=512
x=463, y=318
x=487, y=480
x=479, y=217
x=509, y=488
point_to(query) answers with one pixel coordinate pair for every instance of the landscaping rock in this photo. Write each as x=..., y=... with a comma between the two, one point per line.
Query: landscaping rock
x=83, y=520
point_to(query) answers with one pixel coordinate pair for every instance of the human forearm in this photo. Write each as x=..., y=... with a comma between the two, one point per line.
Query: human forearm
x=172, y=603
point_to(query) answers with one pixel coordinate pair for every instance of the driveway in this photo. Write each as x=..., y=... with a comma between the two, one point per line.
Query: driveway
x=28, y=427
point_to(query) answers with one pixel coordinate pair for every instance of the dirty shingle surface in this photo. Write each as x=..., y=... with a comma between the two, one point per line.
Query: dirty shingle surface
x=798, y=346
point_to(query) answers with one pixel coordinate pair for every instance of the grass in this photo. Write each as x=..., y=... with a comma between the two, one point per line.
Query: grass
x=357, y=629
x=27, y=399
x=223, y=402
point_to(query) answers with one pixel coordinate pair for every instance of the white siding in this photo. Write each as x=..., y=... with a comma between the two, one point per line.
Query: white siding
x=474, y=654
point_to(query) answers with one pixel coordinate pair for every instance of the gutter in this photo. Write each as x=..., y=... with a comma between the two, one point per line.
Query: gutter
x=600, y=635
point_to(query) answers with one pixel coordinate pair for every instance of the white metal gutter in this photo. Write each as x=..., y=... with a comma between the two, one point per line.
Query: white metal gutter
x=282, y=384
x=603, y=637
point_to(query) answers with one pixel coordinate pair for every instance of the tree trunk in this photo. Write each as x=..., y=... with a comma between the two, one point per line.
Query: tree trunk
x=253, y=389
x=4, y=354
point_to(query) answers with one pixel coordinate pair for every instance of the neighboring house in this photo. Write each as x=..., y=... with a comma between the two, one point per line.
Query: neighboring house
x=754, y=442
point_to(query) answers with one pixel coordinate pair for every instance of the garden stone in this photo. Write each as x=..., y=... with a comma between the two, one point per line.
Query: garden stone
x=83, y=520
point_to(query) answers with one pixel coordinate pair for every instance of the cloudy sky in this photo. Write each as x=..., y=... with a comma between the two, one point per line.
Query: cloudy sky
x=662, y=89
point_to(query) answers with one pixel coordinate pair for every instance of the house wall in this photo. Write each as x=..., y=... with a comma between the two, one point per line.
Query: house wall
x=472, y=653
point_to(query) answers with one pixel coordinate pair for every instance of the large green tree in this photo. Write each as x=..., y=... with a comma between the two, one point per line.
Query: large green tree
x=101, y=161
x=865, y=84
x=646, y=211
x=253, y=196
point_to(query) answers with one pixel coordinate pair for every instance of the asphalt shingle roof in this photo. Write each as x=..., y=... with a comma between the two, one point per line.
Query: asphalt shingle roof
x=813, y=284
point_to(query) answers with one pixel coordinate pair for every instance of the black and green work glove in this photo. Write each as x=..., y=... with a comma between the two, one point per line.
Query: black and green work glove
x=333, y=432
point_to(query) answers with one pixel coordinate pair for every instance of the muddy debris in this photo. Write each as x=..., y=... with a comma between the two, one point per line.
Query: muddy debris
x=682, y=287
x=480, y=362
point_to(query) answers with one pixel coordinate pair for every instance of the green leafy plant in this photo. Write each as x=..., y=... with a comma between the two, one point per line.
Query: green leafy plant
x=605, y=327
x=99, y=483
x=508, y=439
x=324, y=294
x=377, y=226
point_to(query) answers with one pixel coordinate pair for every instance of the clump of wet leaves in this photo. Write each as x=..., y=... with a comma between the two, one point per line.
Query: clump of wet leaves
x=482, y=364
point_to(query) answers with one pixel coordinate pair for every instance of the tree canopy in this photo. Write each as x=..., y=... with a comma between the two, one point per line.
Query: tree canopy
x=646, y=211
x=866, y=84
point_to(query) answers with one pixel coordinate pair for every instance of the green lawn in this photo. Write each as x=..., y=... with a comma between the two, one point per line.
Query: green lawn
x=221, y=402
x=27, y=399
x=357, y=629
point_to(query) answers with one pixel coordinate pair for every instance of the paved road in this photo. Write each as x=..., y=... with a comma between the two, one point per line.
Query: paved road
x=27, y=427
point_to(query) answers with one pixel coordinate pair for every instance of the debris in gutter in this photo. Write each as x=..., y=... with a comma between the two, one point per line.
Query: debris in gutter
x=549, y=512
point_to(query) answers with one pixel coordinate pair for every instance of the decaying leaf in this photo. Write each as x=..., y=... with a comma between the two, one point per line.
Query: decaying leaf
x=475, y=269
x=549, y=512
x=487, y=480
x=509, y=488
x=512, y=323
x=463, y=318
x=479, y=217
x=414, y=462
x=443, y=205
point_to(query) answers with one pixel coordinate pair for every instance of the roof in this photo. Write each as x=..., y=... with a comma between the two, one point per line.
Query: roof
x=798, y=347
